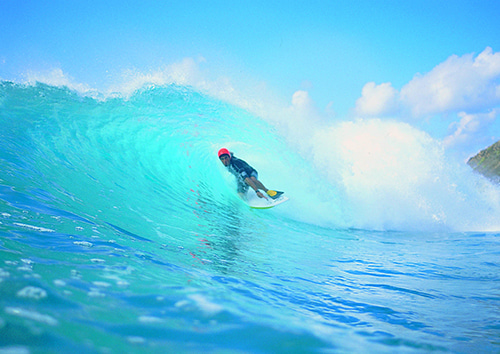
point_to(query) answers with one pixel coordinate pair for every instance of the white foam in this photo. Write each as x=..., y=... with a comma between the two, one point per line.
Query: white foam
x=14, y=350
x=59, y=282
x=36, y=228
x=150, y=319
x=207, y=306
x=83, y=244
x=56, y=77
x=32, y=292
x=32, y=315
x=136, y=340
x=4, y=273
x=101, y=284
x=392, y=175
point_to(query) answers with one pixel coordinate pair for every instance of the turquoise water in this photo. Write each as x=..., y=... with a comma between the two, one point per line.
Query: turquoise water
x=121, y=232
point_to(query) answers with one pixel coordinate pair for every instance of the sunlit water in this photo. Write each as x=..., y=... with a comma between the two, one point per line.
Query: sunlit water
x=121, y=232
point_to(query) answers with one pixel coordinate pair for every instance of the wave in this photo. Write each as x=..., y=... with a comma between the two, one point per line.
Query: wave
x=151, y=155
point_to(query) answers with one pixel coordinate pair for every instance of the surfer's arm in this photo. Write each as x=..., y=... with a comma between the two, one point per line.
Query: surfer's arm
x=254, y=187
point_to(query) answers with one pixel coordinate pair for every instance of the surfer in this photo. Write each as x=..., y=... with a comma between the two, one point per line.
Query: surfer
x=246, y=175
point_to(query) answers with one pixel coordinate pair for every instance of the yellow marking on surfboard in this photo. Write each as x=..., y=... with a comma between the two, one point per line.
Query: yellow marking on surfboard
x=271, y=193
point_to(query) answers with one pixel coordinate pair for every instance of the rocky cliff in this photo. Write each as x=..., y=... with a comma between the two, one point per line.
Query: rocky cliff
x=487, y=162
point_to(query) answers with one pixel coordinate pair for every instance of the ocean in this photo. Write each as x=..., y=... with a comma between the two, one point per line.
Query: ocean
x=121, y=232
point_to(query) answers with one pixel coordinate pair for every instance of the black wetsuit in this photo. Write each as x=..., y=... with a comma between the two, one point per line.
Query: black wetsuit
x=241, y=170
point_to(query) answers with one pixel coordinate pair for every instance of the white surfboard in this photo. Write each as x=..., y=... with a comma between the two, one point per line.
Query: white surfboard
x=264, y=203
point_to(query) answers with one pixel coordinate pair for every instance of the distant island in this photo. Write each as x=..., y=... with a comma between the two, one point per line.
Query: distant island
x=487, y=162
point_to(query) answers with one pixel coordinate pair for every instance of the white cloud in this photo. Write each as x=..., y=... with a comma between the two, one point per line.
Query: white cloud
x=469, y=127
x=376, y=100
x=464, y=83
x=459, y=83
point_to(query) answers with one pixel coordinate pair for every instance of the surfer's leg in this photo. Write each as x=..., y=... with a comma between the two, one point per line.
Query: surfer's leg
x=258, y=184
x=255, y=179
x=272, y=193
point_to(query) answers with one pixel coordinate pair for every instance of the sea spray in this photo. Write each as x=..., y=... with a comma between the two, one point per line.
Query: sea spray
x=389, y=175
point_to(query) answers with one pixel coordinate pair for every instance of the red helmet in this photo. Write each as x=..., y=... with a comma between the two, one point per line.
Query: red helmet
x=224, y=151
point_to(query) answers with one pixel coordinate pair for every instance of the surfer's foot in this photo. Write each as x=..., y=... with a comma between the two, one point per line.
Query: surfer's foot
x=274, y=194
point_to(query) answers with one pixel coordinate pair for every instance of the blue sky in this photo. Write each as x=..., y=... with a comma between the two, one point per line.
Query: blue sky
x=347, y=59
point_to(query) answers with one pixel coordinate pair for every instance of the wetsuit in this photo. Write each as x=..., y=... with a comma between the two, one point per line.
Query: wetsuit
x=241, y=170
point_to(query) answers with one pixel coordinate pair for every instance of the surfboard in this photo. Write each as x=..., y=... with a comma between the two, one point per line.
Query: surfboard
x=261, y=203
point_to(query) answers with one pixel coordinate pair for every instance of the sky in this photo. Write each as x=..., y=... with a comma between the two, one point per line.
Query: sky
x=432, y=64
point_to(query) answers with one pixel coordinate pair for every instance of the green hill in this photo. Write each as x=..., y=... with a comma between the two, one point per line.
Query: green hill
x=487, y=162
